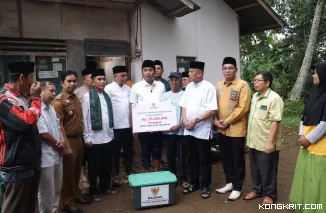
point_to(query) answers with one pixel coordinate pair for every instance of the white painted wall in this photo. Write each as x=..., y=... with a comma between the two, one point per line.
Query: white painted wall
x=209, y=34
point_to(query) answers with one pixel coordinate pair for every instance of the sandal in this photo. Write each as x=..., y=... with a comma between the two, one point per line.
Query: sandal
x=251, y=196
x=189, y=189
x=185, y=184
x=205, y=193
x=111, y=192
x=116, y=182
x=96, y=198
x=268, y=200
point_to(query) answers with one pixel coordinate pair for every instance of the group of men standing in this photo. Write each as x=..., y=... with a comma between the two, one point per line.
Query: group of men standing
x=239, y=117
x=47, y=143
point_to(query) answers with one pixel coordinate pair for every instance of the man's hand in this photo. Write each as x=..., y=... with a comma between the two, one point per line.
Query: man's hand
x=35, y=88
x=60, y=145
x=304, y=142
x=135, y=135
x=191, y=124
x=221, y=124
x=88, y=144
x=269, y=147
x=175, y=128
x=67, y=150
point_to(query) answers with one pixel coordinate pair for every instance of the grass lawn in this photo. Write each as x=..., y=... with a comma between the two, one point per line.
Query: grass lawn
x=291, y=121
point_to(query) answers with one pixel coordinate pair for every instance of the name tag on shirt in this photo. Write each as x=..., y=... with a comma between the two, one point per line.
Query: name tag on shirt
x=263, y=107
x=234, y=95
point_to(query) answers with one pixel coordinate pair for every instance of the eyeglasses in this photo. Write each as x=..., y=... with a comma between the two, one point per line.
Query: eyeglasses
x=227, y=68
x=257, y=80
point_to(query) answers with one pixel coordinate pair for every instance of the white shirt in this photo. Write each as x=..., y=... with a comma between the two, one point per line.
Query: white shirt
x=99, y=136
x=197, y=99
x=144, y=92
x=49, y=123
x=120, y=104
x=174, y=98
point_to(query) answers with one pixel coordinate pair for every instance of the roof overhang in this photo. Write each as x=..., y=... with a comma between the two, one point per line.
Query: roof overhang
x=255, y=16
x=175, y=8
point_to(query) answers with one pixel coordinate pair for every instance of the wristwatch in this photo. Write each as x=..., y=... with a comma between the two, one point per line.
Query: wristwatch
x=197, y=120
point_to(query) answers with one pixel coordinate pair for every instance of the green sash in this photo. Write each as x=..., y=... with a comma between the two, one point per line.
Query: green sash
x=96, y=112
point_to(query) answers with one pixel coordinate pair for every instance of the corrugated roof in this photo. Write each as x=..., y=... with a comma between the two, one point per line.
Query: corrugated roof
x=255, y=16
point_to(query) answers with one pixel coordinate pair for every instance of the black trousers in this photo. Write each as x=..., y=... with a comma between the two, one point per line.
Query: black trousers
x=85, y=156
x=150, y=145
x=100, y=165
x=122, y=138
x=232, y=157
x=199, y=160
x=263, y=169
x=174, y=148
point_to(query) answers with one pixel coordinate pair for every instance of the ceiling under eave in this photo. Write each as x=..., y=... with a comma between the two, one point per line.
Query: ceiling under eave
x=255, y=16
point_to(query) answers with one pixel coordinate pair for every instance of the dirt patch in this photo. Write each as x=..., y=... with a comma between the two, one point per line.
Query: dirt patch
x=217, y=203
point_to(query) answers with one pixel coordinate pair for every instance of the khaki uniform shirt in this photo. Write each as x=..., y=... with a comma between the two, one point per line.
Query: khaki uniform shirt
x=69, y=110
x=264, y=111
x=233, y=101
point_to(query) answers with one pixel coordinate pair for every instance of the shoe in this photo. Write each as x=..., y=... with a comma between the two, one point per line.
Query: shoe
x=227, y=188
x=73, y=210
x=234, y=195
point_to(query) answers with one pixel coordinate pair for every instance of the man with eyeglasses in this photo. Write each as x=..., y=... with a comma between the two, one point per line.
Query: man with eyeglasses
x=264, y=139
x=233, y=98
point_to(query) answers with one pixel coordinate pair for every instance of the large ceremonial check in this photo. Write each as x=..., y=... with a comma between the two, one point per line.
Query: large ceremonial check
x=152, y=117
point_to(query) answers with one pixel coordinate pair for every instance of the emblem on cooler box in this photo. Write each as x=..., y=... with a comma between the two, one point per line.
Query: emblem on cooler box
x=155, y=191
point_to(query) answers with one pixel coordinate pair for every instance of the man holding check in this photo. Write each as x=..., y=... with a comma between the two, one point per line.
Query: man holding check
x=150, y=91
x=198, y=107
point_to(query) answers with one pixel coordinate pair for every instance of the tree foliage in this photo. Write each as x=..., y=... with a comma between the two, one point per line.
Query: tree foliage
x=281, y=51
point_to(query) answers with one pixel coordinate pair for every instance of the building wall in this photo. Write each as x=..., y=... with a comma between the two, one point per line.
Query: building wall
x=209, y=34
x=63, y=21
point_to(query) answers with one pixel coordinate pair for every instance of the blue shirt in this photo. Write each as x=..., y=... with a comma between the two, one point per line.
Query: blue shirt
x=175, y=99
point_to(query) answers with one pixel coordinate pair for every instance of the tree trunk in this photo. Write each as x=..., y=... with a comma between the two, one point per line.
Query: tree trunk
x=298, y=87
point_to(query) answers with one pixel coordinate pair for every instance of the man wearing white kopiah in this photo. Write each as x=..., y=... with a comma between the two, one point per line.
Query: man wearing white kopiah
x=150, y=91
x=198, y=107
